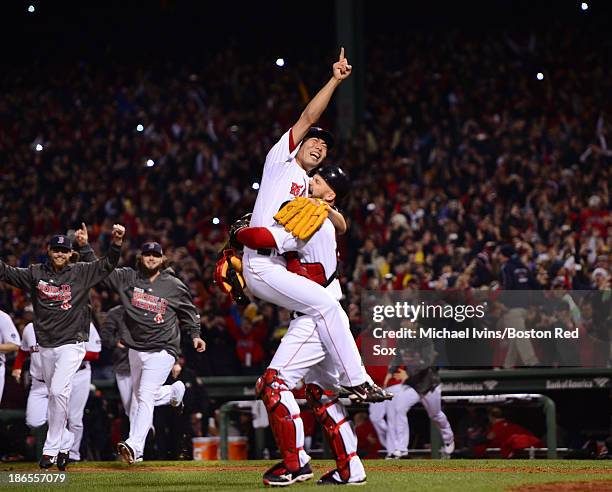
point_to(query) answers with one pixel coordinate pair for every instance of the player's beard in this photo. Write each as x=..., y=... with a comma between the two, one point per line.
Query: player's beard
x=149, y=272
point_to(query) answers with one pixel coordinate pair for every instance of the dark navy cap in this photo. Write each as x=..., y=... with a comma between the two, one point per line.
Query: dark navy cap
x=151, y=247
x=318, y=132
x=61, y=241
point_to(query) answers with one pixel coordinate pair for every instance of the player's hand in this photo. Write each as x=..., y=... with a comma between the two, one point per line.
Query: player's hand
x=387, y=379
x=118, y=234
x=16, y=373
x=176, y=370
x=401, y=375
x=120, y=345
x=80, y=236
x=341, y=68
x=199, y=345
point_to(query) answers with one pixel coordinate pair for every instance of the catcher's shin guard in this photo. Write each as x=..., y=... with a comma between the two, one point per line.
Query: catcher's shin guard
x=284, y=416
x=332, y=416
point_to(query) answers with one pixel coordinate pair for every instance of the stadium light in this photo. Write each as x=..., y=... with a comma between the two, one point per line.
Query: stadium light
x=32, y=9
x=280, y=62
x=139, y=128
x=216, y=221
x=584, y=6
x=255, y=186
x=540, y=76
x=39, y=148
x=150, y=163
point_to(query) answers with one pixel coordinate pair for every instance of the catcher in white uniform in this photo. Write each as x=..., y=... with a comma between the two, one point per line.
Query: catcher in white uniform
x=302, y=355
x=9, y=342
x=38, y=397
x=284, y=178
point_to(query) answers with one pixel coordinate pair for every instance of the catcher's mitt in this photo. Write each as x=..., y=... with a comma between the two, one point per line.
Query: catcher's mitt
x=228, y=277
x=241, y=223
x=301, y=217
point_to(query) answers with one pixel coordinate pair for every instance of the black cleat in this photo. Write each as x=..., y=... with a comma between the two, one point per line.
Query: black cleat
x=62, y=461
x=333, y=478
x=46, y=462
x=279, y=476
x=367, y=392
x=126, y=452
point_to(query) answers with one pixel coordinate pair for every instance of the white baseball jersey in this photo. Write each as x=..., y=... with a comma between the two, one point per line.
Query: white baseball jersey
x=29, y=344
x=94, y=344
x=283, y=179
x=320, y=248
x=8, y=333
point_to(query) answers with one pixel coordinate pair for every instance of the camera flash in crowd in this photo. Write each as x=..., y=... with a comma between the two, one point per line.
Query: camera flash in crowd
x=39, y=148
x=139, y=128
x=540, y=76
x=150, y=163
x=584, y=6
x=255, y=186
x=280, y=62
x=216, y=221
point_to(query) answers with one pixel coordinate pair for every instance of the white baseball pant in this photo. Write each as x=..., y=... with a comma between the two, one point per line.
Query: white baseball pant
x=398, y=428
x=149, y=370
x=81, y=384
x=59, y=365
x=124, y=383
x=379, y=416
x=302, y=355
x=2, y=372
x=270, y=281
x=37, y=405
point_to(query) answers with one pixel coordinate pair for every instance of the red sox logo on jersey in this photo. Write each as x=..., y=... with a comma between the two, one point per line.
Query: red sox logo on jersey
x=296, y=189
x=54, y=293
x=151, y=303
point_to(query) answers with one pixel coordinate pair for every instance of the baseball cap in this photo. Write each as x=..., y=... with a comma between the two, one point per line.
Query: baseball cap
x=151, y=247
x=335, y=177
x=318, y=132
x=61, y=241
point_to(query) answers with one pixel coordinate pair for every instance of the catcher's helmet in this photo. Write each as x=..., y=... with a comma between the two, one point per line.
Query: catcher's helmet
x=335, y=177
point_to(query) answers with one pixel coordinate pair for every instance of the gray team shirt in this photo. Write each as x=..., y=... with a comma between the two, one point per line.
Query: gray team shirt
x=110, y=333
x=153, y=310
x=60, y=298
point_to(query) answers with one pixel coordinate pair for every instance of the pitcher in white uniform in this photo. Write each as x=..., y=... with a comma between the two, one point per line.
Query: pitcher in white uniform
x=285, y=177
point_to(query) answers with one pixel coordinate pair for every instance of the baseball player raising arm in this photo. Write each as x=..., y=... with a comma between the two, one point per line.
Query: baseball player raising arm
x=285, y=177
x=302, y=354
x=60, y=293
x=157, y=305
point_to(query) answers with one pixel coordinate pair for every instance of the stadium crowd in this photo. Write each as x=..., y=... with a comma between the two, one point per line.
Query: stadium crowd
x=462, y=151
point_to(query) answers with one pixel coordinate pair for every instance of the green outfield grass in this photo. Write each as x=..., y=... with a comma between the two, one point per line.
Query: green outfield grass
x=406, y=475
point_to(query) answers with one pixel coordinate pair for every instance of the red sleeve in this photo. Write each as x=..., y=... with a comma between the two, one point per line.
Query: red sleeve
x=22, y=355
x=91, y=356
x=256, y=238
x=292, y=145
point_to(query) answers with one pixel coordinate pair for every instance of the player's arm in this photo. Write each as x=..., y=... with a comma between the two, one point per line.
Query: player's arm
x=189, y=317
x=21, y=357
x=17, y=277
x=96, y=271
x=313, y=111
x=6, y=348
x=338, y=220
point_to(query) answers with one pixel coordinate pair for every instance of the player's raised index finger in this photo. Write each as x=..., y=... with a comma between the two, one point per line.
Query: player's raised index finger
x=341, y=57
x=83, y=226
